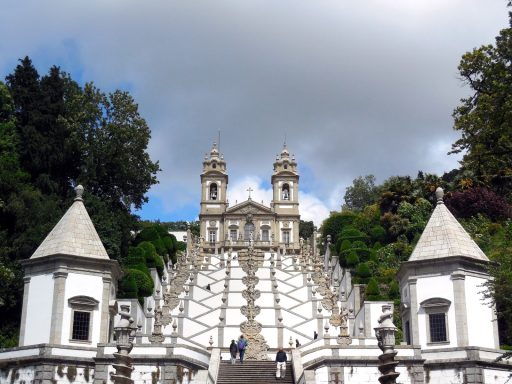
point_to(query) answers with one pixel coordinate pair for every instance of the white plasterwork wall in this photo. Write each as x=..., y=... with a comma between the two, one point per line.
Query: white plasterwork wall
x=39, y=310
x=480, y=316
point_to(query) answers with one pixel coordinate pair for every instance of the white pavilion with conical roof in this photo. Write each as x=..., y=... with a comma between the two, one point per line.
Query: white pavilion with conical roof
x=70, y=284
x=442, y=284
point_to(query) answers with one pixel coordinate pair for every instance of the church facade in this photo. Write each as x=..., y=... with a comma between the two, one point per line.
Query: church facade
x=234, y=227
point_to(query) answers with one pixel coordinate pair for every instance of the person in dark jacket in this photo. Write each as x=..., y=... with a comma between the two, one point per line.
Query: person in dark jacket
x=233, y=350
x=281, y=360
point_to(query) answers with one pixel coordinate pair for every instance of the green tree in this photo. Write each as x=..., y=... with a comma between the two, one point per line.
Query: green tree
x=336, y=222
x=484, y=117
x=47, y=146
x=361, y=193
x=53, y=135
x=306, y=229
x=113, y=138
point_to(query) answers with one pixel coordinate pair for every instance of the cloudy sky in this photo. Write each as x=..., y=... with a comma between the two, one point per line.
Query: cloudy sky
x=357, y=87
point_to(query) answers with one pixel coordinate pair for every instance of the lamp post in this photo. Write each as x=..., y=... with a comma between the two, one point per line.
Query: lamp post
x=385, y=334
x=125, y=333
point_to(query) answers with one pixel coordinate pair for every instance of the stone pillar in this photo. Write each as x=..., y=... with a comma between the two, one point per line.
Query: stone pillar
x=149, y=322
x=26, y=281
x=59, y=288
x=357, y=297
x=105, y=310
x=101, y=375
x=336, y=375
x=415, y=333
x=180, y=324
x=473, y=375
x=222, y=323
x=44, y=374
x=169, y=374
x=459, y=303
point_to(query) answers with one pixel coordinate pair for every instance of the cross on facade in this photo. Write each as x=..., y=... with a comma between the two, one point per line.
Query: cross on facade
x=249, y=190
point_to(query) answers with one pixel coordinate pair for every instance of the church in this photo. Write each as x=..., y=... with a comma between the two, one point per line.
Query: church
x=249, y=273
x=224, y=226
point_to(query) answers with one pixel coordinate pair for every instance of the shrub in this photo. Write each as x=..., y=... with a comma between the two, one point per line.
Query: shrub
x=135, y=256
x=351, y=233
x=373, y=291
x=169, y=244
x=128, y=287
x=363, y=272
x=352, y=259
x=143, y=282
x=181, y=246
x=377, y=234
x=148, y=234
x=394, y=290
x=153, y=260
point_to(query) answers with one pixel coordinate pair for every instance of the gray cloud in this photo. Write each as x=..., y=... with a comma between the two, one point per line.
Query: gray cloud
x=357, y=87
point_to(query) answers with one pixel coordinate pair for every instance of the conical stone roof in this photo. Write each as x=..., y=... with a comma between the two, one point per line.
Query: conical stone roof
x=445, y=237
x=74, y=235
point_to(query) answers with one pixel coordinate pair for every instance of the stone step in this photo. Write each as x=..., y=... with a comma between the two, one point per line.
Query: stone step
x=252, y=372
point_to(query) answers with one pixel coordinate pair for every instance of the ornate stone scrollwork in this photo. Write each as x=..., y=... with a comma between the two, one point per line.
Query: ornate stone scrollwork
x=157, y=335
x=171, y=292
x=257, y=346
x=339, y=316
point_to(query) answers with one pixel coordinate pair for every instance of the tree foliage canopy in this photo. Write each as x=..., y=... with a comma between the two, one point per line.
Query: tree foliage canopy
x=484, y=118
x=361, y=193
x=55, y=134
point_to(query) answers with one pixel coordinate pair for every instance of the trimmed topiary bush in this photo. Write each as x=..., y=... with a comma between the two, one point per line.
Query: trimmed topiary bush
x=352, y=259
x=363, y=272
x=373, y=291
x=135, y=256
x=153, y=260
x=143, y=281
x=352, y=234
x=128, y=287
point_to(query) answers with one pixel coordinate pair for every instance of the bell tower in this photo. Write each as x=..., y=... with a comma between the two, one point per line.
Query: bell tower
x=285, y=203
x=214, y=182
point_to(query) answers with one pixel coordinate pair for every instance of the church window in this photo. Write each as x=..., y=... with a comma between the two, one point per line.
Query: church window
x=286, y=192
x=213, y=237
x=436, y=310
x=233, y=234
x=286, y=237
x=213, y=191
x=81, y=324
x=265, y=235
x=248, y=231
x=286, y=166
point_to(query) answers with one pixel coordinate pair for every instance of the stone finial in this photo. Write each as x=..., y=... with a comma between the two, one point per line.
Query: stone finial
x=79, y=190
x=439, y=195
